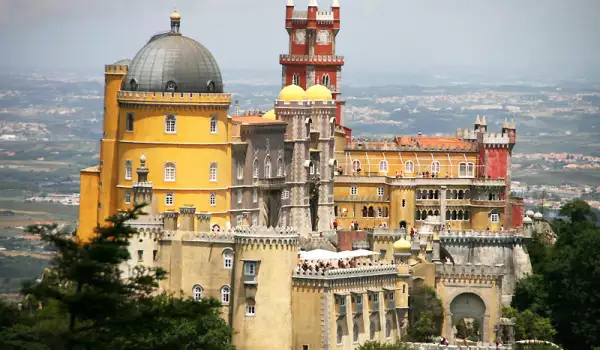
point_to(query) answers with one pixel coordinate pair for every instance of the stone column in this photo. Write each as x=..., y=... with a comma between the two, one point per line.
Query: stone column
x=449, y=333
x=443, y=204
x=485, y=329
x=187, y=218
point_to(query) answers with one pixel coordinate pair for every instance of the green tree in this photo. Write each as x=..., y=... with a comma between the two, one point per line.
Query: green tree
x=529, y=325
x=375, y=345
x=425, y=314
x=88, y=304
x=578, y=210
x=531, y=294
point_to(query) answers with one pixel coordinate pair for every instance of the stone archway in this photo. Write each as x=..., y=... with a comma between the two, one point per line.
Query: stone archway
x=468, y=305
x=403, y=224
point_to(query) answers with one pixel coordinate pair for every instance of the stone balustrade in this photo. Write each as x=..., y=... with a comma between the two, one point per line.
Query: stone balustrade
x=344, y=273
x=417, y=181
x=432, y=346
x=449, y=269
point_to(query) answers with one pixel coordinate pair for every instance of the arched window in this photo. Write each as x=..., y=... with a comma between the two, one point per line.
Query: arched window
x=454, y=194
x=129, y=122
x=454, y=215
x=365, y=212
x=197, y=292
x=409, y=167
x=355, y=333
x=448, y=194
x=388, y=329
x=386, y=212
x=448, y=215
x=355, y=165
x=436, y=213
x=225, y=291
x=255, y=169
x=279, y=167
x=372, y=330
x=371, y=212
x=212, y=175
x=170, y=124
x=435, y=167
x=340, y=335
x=127, y=197
x=325, y=81
x=383, y=166
x=240, y=170
x=311, y=168
x=128, y=170
x=250, y=307
x=296, y=79
x=267, y=167
x=467, y=194
x=461, y=194
x=466, y=215
x=379, y=212
x=430, y=213
x=430, y=194
x=436, y=194
x=460, y=215
x=213, y=199
x=466, y=169
x=228, y=259
x=213, y=125
x=170, y=172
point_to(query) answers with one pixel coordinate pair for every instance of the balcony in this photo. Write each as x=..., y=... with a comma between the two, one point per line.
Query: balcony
x=365, y=178
x=312, y=59
x=272, y=183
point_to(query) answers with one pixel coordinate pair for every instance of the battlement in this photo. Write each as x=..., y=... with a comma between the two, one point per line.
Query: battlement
x=323, y=104
x=390, y=144
x=297, y=104
x=325, y=16
x=116, y=69
x=464, y=270
x=496, y=138
x=226, y=236
x=345, y=273
x=148, y=224
x=466, y=134
x=300, y=15
x=139, y=97
x=311, y=59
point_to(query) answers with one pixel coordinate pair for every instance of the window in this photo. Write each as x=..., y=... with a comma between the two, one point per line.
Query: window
x=250, y=268
x=383, y=166
x=304, y=347
x=355, y=165
x=169, y=199
x=296, y=79
x=466, y=170
x=213, y=125
x=170, y=124
x=155, y=255
x=254, y=195
x=285, y=194
x=240, y=170
x=340, y=335
x=170, y=172
x=213, y=199
x=225, y=295
x=140, y=254
x=325, y=81
x=129, y=122
x=254, y=220
x=239, y=220
x=494, y=217
x=197, y=292
x=355, y=333
x=435, y=167
x=379, y=212
x=228, y=259
x=279, y=167
x=255, y=169
x=312, y=168
x=250, y=307
x=127, y=197
x=354, y=191
x=240, y=195
x=404, y=203
x=409, y=167
x=380, y=191
x=128, y=170
x=212, y=174
x=267, y=167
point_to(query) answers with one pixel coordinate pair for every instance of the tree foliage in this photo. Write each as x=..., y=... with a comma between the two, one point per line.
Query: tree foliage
x=426, y=314
x=88, y=304
x=566, y=286
x=375, y=345
x=529, y=325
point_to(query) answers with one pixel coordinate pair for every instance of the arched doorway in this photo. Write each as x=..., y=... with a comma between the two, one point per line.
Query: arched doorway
x=403, y=224
x=471, y=308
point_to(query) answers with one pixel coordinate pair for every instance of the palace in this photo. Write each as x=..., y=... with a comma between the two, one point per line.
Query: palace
x=234, y=201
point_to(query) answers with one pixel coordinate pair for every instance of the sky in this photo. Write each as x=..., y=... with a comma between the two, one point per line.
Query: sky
x=379, y=36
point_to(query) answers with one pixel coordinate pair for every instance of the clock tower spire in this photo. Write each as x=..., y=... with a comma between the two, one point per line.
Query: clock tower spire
x=311, y=58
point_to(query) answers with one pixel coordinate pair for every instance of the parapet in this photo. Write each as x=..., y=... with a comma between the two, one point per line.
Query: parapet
x=496, y=138
x=119, y=69
x=266, y=235
x=359, y=143
x=144, y=184
x=387, y=233
x=464, y=270
x=184, y=98
x=485, y=237
x=298, y=104
x=311, y=59
x=343, y=274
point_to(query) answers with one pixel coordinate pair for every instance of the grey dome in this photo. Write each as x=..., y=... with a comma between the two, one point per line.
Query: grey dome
x=174, y=63
x=123, y=62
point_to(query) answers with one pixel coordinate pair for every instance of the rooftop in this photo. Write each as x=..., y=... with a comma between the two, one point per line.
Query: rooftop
x=254, y=120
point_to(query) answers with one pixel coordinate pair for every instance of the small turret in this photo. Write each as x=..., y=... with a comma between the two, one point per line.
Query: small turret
x=477, y=123
x=313, y=7
x=483, y=125
x=175, y=22
x=335, y=8
x=335, y=4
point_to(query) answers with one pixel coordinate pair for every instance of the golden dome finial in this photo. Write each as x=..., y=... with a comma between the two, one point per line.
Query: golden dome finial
x=175, y=15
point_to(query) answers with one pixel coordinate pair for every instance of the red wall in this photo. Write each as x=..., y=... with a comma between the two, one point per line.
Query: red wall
x=345, y=238
x=497, y=163
x=517, y=215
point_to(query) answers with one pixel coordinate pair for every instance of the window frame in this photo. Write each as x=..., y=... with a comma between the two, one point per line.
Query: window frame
x=354, y=190
x=171, y=196
x=167, y=176
x=170, y=120
x=129, y=122
x=197, y=292
x=127, y=197
x=228, y=259
x=214, y=127
x=250, y=309
x=213, y=172
x=355, y=165
x=250, y=268
x=225, y=294
x=383, y=166
x=268, y=169
x=255, y=169
x=212, y=199
x=128, y=170
x=380, y=192
x=435, y=167
x=494, y=218
x=240, y=170
x=409, y=169
x=280, y=169
x=240, y=195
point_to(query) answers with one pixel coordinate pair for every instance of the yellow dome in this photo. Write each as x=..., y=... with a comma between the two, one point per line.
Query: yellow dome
x=175, y=15
x=270, y=115
x=319, y=93
x=292, y=93
x=402, y=246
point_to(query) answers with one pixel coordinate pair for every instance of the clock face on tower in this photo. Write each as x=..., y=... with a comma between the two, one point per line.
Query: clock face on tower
x=323, y=37
x=300, y=36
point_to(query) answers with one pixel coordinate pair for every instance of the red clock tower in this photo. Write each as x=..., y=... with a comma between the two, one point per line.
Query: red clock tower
x=311, y=59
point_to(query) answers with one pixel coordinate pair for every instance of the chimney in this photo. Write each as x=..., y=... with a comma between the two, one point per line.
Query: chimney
x=203, y=222
x=187, y=218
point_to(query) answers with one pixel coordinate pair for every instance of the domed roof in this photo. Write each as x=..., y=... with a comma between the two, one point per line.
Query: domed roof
x=123, y=62
x=538, y=215
x=270, y=115
x=529, y=213
x=319, y=93
x=292, y=93
x=402, y=246
x=527, y=220
x=172, y=62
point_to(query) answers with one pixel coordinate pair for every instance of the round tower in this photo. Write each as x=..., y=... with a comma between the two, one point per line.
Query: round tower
x=265, y=259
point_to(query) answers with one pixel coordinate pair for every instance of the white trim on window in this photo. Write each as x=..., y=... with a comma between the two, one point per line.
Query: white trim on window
x=169, y=199
x=225, y=295
x=127, y=197
x=170, y=172
x=354, y=191
x=128, y=170
x=213, y=199
x=213, y=172
x=197, y=291
x=435, y=167
x=383, y=166
x=409, y=167
x=213, y=125
x=170, y=124
x=228, y=259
